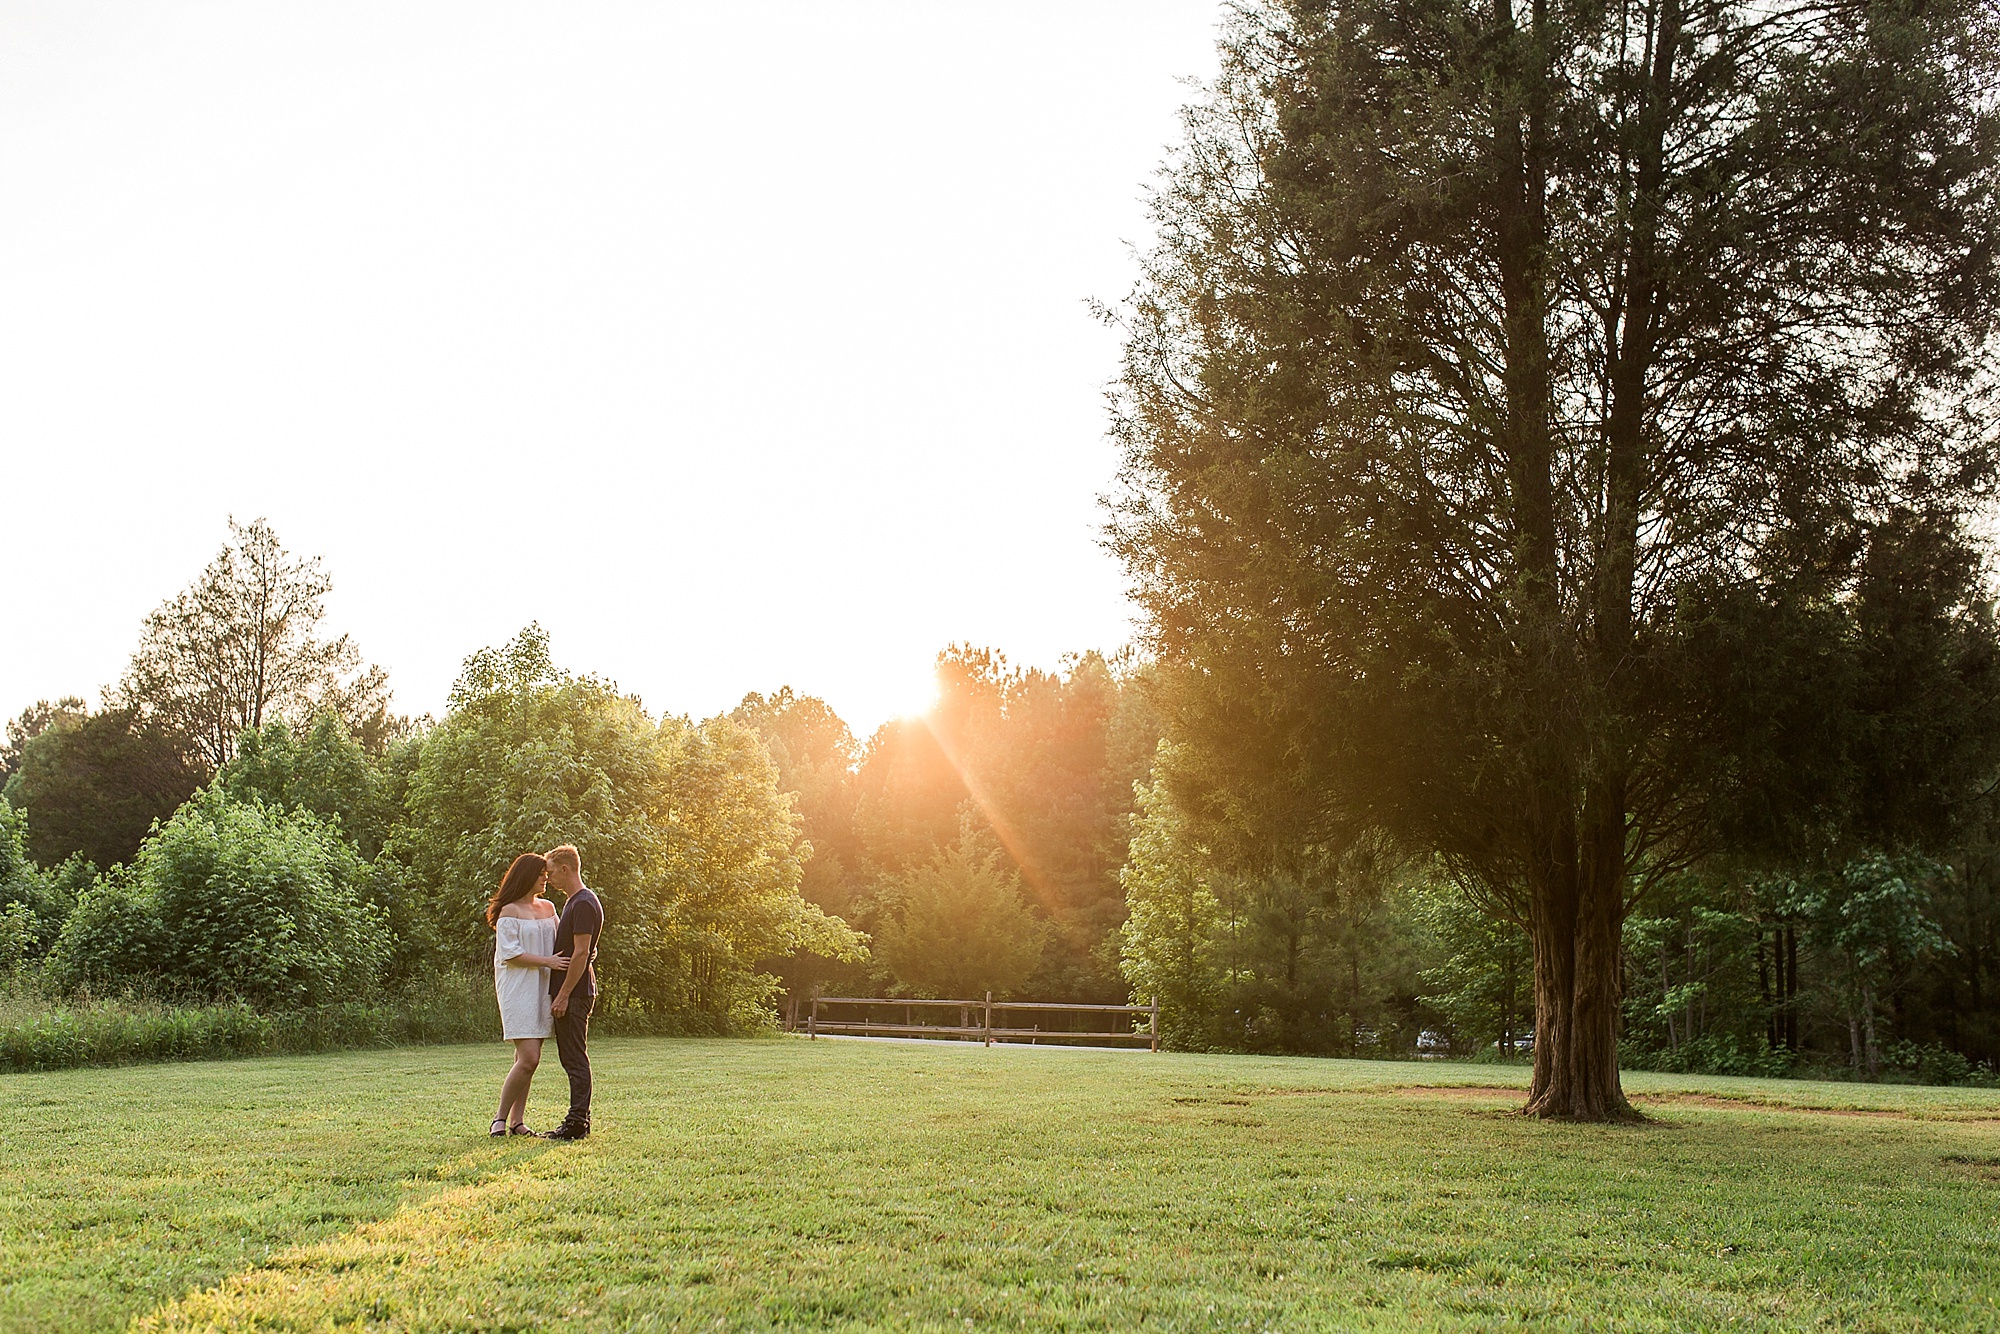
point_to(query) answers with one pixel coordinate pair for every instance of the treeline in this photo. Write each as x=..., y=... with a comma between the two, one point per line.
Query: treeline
x=244, y=819
x=981, y=844
x=1114, y=830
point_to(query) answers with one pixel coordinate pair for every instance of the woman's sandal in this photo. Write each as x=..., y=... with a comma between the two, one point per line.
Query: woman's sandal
x=499, y=1130
x=521, y=1128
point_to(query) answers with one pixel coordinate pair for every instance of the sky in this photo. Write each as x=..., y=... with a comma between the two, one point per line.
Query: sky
x=738, y=346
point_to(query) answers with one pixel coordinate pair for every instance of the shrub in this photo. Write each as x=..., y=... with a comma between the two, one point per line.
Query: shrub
x=113, y=940
x=1710, y=1054
x=1935, y=1063
x=17, y=936
x=231, y=898
x=44, y=898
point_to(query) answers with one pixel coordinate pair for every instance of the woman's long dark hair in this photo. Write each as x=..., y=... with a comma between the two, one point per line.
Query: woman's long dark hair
x=519, y=883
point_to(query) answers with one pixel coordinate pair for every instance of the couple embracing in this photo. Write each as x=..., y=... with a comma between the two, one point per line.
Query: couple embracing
x=546, y=981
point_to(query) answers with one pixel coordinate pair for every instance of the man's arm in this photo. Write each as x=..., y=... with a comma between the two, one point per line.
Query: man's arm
x=580, y=950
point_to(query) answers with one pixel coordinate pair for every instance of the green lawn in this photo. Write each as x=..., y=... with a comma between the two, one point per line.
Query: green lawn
x=776, y=1183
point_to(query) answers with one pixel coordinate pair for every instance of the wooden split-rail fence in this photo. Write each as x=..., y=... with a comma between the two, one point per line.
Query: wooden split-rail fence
x=976, y=1020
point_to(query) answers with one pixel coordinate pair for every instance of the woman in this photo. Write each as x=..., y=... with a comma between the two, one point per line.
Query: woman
x=524, y=938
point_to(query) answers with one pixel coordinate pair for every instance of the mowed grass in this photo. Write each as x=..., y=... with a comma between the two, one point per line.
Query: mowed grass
x=786, y=1184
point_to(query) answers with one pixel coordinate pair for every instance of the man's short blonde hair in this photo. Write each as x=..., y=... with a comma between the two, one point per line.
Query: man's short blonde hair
x=566, y=855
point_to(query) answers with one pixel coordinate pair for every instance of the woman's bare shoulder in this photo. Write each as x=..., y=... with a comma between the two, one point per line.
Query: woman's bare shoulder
x=521, y=910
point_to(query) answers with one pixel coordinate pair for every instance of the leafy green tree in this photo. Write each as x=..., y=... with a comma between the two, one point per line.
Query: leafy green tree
x=957, y=928
x=1479, y=976
x=727, y=896
x=681, y=827
x=1320, y=956
x=34, y=721
x=231, y=898
x=1168, y=943
x=323, y=770
x=528, y=757
x=1046, y=764
x=1694, y=999
x=1871, y=921
x=1476, y=341
x=815, y=755
x=93, y=785
x=241, y=646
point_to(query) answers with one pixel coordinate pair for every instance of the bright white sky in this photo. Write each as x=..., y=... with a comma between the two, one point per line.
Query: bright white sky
x=739, y=345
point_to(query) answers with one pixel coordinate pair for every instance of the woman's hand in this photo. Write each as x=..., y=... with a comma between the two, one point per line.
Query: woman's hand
x=557, y=963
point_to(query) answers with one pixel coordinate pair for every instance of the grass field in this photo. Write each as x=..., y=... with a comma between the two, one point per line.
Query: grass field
x=776, y=1183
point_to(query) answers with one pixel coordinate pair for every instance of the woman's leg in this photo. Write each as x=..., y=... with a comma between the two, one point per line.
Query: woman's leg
x=514, y=1091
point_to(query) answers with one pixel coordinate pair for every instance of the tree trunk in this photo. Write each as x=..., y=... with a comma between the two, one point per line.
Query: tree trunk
x=1771, y=1034
x=1791, y=988
x=1871, y=1049
x=1576, y=1056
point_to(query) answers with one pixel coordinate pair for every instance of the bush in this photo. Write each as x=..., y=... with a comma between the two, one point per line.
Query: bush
x=17, y=936
x=44, y=899
x=1935, y=1063
x=1710, y=1054
x=231, y=898
x=113, y=940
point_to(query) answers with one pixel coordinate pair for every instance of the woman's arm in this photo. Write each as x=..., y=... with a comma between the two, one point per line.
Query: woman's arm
x=510, y=952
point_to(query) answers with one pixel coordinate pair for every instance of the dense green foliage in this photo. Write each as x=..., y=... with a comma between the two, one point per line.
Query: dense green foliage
x=36, y=902
x=323, y=770
x=1035, y=766
x=955, y=927
x=1515, y=398
x=681, y=827
x=94, y=783
x=1319, y=958
x=787, y=1184
x=231, y=898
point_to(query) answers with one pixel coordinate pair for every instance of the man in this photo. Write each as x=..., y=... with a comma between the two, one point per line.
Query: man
x=575, y=988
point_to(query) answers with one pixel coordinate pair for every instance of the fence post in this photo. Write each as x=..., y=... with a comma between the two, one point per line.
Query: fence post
x=989, y=1019
x=1155, y=1025
x=812, y=1020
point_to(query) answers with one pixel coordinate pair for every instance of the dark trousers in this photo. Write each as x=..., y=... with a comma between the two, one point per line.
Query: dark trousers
x=573, y=1048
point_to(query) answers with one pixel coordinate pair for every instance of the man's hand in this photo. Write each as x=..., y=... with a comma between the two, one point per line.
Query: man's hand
x=559, y=1006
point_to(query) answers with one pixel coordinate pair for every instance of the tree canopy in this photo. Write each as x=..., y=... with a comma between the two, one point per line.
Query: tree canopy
x=1486, y=350
x=681, y=825
x=241, y=645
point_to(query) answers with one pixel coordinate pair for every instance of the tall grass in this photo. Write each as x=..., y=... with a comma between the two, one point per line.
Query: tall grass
x=37, y=1033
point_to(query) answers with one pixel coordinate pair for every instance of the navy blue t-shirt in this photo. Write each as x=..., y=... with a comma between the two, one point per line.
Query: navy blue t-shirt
x=581, y=913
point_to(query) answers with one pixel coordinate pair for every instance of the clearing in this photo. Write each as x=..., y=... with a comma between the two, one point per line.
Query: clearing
x=780, y=1183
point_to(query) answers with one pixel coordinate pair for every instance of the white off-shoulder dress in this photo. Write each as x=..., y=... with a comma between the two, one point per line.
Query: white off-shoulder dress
x=523, y=992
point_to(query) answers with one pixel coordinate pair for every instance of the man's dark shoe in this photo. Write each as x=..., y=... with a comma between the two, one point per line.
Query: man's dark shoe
x=569, y=1130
